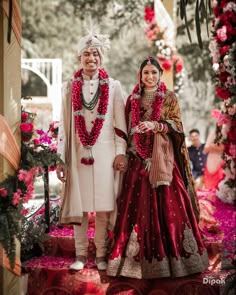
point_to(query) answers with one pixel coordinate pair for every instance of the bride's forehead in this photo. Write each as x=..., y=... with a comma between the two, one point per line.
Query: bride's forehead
x=149, y=67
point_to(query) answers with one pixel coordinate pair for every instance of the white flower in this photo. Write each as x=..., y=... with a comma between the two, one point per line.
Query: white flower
x=216, y=67
x=226, y=61
x=230, y=6
x=214, y=3
x=168, y=51
x=225, y=193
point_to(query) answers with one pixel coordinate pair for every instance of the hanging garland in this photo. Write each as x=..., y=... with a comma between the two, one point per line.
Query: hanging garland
x=165, y=53
x=223, y=51
x=88, y=139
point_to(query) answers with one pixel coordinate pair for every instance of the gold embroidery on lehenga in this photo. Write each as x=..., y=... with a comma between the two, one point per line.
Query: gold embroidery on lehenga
x=133, y=247
x=189, y=242
x=167, y=267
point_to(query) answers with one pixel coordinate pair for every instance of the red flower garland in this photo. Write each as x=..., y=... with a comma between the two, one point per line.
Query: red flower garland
x=88, y=139
x=144, y=148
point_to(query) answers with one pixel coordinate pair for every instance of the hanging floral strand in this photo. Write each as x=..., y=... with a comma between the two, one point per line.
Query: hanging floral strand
x=223, y=51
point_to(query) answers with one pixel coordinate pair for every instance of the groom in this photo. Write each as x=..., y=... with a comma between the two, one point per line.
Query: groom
x=92, y=144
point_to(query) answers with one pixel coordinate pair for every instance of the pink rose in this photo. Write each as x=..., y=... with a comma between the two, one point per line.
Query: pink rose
x=221, y=33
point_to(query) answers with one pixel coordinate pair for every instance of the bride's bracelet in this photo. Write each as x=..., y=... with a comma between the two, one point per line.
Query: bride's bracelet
x=160, y=127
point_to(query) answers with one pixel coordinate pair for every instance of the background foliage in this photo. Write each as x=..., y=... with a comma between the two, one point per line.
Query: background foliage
x=52, y=30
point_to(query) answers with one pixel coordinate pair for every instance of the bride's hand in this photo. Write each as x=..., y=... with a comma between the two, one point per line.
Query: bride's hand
x=146, y=126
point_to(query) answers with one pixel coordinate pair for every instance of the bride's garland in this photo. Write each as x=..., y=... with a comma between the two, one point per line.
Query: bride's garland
x=144, y=148
x=88, y=139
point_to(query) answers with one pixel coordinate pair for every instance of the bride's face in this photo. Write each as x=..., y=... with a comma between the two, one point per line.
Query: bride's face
x=150, y=76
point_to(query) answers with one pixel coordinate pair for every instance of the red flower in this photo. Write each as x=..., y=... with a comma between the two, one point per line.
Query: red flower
x=167, y=64
x=222, y=93
x=3, y=192
x=179, y=66
x=223, y=76
x=149, y=13
x=26, y=127
x=24, y=117
x=224, y=50
x=36, y=141
x=232, y=132
x=217, y=10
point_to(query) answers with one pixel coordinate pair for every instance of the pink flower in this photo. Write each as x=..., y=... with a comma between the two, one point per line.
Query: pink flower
x=25, y=176
x=24, y=117
x=17, y=197
x=25, y=211
x=3, y=192
x=215, y=113
x=221, y=33
x=223, y=119
x=26, y=127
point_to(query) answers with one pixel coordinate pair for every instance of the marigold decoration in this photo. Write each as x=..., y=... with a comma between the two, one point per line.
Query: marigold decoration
x=223, y=51
x=165, y=53
x=88, y=139
x=143, y=141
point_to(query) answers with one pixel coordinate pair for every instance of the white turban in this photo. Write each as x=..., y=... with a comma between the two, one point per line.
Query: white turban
x=100, y=42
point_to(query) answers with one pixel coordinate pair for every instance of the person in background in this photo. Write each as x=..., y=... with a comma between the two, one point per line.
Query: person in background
x=92, y=144
x=213, y=170
x=156, y=232
x=197, y=158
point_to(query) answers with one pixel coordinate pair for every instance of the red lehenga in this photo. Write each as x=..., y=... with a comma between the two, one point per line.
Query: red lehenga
x=156, y=233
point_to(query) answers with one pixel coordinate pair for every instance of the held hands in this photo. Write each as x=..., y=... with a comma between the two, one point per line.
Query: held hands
x=120, y=163
x=153, y=126
x=146, y=126
x=61, y=172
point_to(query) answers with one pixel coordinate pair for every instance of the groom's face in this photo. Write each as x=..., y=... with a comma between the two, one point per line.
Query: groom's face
x=90, y=60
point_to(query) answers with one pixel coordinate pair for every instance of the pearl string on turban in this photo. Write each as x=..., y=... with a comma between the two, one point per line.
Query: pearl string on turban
x=100, y=42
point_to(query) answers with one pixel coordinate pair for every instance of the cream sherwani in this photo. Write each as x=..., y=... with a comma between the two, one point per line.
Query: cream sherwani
x=91, y=187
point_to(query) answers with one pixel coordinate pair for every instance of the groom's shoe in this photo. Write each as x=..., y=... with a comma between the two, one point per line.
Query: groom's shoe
x=79, y=263
x=101, y=263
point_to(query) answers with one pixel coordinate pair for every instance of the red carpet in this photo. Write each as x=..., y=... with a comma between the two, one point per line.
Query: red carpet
x=50, y=274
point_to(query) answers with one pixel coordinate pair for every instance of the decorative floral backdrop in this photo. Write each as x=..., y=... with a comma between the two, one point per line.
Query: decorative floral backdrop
x=159, y=38
x=38, y=150
x=223, y=51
